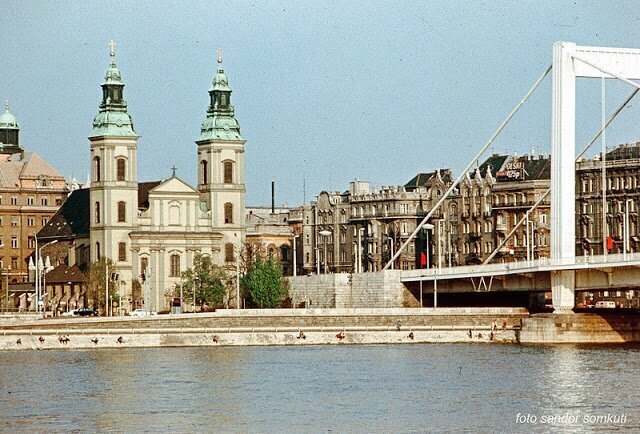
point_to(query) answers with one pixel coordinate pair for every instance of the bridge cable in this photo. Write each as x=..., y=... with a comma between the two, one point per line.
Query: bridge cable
x=586, y=148
x=466, y=169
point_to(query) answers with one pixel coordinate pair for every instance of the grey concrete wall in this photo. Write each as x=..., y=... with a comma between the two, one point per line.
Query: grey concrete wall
x=382, y=289
x=579, y=328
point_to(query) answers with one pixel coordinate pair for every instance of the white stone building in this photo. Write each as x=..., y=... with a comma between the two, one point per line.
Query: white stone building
x=152, y=230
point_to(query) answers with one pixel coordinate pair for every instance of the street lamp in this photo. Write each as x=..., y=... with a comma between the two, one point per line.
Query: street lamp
x=390, y=239
x=196, y=282
x=325, y=234
x=38, y=266
x=428, y=227
x=295, y=259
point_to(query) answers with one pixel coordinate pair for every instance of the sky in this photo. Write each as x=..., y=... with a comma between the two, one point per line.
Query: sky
x=325, y=92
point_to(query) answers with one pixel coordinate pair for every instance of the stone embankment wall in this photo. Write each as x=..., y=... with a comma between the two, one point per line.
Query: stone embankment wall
x=273, y=327
x=580, y=328
x=343, y=290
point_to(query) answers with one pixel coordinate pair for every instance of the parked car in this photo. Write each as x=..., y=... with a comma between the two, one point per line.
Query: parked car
x=85, y=311
x=141, y=313
x=605, y=304
x=72, y=312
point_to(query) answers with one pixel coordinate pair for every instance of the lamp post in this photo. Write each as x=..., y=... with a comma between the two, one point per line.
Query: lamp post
x=39, y=267
x=391, y=246
x=196, y=282
x=428, y=227
x=626, y=226
x=295, y=259
x=325, y=234
x=359, y=258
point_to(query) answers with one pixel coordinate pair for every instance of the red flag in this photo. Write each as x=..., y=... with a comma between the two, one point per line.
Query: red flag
x=423, y=259
x=609, y=243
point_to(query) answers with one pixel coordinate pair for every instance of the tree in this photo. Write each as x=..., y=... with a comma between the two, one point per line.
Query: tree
x=208, y=280
x=97, y=278
x=263, y=283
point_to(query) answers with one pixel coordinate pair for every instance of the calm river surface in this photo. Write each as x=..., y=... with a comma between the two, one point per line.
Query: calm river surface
x=405, y=388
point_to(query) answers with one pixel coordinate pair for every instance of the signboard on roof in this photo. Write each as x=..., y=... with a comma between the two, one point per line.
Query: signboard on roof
x=511, y=169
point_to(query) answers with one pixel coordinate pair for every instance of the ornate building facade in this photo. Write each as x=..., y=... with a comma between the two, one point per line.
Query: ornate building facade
x=622, y=194
x=31, y=191
x=151, y=231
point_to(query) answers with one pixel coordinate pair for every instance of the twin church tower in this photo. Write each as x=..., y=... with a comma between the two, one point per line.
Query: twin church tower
x=151, y=231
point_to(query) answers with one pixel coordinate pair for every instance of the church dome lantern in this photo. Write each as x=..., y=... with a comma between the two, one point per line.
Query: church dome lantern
x=9, y=132
x=112, y=118
x=220, y=123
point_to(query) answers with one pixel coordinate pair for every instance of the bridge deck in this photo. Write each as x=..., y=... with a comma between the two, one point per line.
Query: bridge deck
x=536, y=266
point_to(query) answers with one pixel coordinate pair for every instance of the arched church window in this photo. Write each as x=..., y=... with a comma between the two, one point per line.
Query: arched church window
x=228, y=252
x=122, y=212
x=175, y=266
x=204, y=173
x=228, y=172
x=228, y=212
x=97, y=211
x=120, y=169
x=96, y=169
x=122, y=252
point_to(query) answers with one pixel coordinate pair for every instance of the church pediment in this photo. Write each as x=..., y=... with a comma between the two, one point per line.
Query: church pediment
x=173, y=185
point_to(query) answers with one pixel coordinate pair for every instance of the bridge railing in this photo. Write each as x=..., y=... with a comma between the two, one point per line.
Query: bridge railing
x=525, y=265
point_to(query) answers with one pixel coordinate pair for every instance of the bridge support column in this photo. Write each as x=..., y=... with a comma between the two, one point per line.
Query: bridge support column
x=563, y=154
x=563, y=290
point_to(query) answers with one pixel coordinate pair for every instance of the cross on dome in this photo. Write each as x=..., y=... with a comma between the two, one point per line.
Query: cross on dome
x=112, y=49
x=173, y=169
x=219, y=55
x=6, y=105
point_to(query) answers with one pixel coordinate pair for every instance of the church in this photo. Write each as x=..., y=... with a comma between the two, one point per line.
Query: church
x=151, y=231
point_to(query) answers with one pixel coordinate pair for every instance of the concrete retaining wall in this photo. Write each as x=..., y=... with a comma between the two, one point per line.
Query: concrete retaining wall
x=343, y=290
x=52, y=340
x=580, y=328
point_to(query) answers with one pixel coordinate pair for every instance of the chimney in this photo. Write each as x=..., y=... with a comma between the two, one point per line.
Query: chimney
x=273, y=197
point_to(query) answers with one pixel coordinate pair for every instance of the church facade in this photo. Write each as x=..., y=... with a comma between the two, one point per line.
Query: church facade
x=151, y=231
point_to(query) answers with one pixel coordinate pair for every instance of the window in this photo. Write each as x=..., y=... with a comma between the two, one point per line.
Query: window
x=97, y=211
x=228, y=252
x=58, y=201
x=14, y=241
x=97, y=250
x=122, y=251
x=228, y=172
x=14, y=220
x=31, y=200
x=144, y=263
x=122, y=212
x=44, y=221
x=174, y=270
x=32, y=242
x=44, y=201
x=204, y=174
x=120, y=169
x=14, y=200
x=14, y=262
x=96, y=169
x=31, y=221
x=543, y=218
x=228, y=212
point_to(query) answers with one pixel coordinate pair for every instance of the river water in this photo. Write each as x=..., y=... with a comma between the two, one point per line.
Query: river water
x=395, y=388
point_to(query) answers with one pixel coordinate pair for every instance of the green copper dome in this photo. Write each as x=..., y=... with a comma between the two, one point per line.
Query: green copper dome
x=220, y=123
x=9, y=133
x=112, y=118
x=8, y=120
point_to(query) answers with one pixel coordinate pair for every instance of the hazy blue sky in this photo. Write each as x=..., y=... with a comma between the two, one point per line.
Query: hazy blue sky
x=327, y=91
